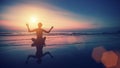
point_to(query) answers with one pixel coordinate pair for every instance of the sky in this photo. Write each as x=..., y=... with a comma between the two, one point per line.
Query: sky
x=64, y=15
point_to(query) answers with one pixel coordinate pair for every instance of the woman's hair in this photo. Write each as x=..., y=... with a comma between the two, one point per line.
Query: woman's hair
x=39, y=24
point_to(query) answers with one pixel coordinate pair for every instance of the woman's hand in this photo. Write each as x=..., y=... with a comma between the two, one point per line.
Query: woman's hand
x=52, y=27
x=27, y=25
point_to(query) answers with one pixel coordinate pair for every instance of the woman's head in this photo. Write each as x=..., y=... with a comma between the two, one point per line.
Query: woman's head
x=39, y=24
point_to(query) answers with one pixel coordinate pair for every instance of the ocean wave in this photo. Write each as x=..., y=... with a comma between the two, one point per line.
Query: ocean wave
x=13, y=39
x=56, y=33
x=14, y=33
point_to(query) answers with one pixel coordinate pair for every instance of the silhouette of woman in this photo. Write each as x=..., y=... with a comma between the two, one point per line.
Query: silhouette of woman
x=38, y=43
x=39, y=33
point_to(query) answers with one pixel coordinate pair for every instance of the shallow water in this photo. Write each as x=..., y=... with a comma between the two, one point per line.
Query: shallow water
x=69, y=51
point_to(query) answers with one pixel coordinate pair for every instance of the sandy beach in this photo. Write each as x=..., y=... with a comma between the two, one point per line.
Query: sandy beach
x=69, y=51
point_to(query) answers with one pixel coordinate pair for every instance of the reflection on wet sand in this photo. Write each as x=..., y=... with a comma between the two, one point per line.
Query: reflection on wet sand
x=39, y=54
x=39, y=44
x=84, y=51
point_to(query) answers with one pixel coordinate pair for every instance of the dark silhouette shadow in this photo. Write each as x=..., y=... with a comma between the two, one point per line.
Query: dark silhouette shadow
x=39, y=54
x=39, y=42
x=38, y=57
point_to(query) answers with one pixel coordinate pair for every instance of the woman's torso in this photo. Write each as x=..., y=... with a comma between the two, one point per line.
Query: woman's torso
x=39, y=33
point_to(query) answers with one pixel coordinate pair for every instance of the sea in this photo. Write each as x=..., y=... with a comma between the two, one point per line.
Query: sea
x=70, y=49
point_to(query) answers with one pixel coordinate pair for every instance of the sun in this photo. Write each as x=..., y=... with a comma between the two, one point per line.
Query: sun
x=33, y=19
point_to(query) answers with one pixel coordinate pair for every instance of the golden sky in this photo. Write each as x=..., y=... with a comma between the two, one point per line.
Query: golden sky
x=15, y=17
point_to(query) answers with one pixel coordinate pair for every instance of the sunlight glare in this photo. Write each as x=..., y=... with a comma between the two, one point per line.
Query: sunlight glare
x=33, y=19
